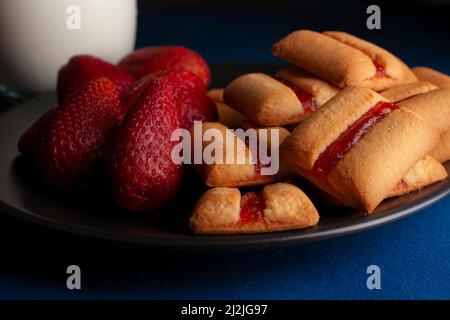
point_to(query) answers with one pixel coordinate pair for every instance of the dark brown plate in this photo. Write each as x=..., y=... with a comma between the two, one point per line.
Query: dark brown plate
x=90, y=212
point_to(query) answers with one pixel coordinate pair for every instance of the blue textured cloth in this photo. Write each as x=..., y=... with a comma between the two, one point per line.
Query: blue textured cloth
x=413, y=253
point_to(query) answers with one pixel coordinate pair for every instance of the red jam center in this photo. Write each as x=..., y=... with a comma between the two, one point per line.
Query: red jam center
x=328, y=159
x=252, y=207
x=307, y=100
x=381, y=71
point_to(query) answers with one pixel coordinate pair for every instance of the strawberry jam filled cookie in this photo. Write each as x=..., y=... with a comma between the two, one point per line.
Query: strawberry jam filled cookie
x=358, y=146
x=312, y=91
x=267, y=101
x=343, y=59
x=264, y=100
x=407, y=90
x=227, y=115
x=427, y=74
x=280, y=206
x=434, y=107
x=428, y=170
x=238, y=166
x=425, y=172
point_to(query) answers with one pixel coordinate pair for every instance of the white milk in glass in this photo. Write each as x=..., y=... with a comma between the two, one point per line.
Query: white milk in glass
x=38, y=36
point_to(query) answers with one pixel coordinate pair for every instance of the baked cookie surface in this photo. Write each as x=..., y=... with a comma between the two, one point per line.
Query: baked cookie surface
x=439, y=79
x=280, y=206
x=424, y=173
x=227, y=115
x=404, y=91
x=343, y=59
x=238, y=165
x=354, y=153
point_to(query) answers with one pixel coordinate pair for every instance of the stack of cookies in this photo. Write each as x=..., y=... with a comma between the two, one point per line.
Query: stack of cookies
x=353, y=119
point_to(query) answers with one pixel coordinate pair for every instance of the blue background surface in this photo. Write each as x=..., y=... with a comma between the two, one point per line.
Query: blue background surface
x=413, y=253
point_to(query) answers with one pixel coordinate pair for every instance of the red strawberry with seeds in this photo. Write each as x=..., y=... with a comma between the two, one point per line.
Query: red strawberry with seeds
x=30, y=138
x=65, y=143
x=147, y=60
x=193, y=105
x=137, y=90
x=83, y=68
x=192, y=101
x=139, y=166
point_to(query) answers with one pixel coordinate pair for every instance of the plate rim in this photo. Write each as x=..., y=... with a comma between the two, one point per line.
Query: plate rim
x=273, y=239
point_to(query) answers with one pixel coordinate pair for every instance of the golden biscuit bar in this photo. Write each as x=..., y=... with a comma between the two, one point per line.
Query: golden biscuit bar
x=427, y=74
x=407, y=90
x=311, y=138
x=227, y=115
x=239, y=167
x=319, y=89
x=264, y=100
x=369, y=178
x=280, y=206
x=282, y=132
x=388, y=65
x=343, y=59
x=433, y=106
x=425, y=172
x=267, y=101
x=350, y=147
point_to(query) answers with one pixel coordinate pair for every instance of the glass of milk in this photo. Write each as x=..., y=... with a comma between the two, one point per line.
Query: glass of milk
x=37, y=37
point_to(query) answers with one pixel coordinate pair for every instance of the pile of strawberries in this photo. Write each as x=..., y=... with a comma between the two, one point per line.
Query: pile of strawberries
x=117, y=120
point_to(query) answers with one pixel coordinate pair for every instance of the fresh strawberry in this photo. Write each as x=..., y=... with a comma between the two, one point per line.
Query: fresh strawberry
x=139, y=166
x=137, y=90
x=150, y=59
x=190, y=93
x=83, y=68
x=65, y=143
x=30, y=139
x=193, y=105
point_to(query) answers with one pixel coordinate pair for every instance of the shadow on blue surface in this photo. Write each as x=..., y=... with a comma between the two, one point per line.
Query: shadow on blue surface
x=412, y=254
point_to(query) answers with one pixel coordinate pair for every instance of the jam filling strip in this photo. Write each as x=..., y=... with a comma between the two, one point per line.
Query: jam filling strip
x=381, y=71
x=252, y=207
x=307, y=100
x=336, y=151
